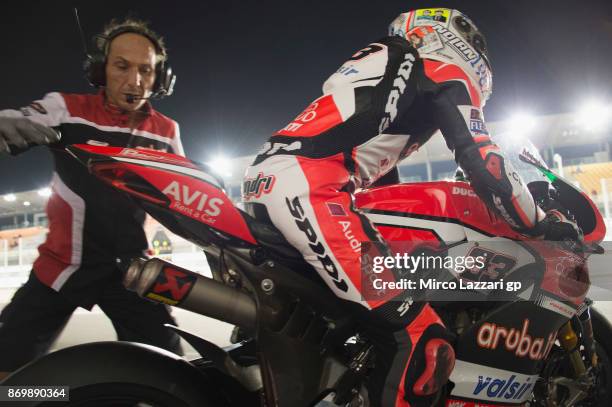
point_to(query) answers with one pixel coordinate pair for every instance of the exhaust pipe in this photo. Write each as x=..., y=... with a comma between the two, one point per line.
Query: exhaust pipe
x=163, y=282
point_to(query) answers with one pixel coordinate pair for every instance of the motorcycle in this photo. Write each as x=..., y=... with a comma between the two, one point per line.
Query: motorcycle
x=543, y=345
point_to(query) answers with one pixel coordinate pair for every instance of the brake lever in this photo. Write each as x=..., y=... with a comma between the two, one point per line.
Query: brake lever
x=582, y=247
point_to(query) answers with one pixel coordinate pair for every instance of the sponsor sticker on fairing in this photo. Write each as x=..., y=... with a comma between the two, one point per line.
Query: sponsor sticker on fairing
x=463, y=192
x=557, y=306
x=193, y=203
x=149, y=154
x=480, y=382
x=515, y=340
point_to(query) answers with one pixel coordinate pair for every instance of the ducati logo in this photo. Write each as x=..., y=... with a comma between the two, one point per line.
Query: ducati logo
x=463, y=191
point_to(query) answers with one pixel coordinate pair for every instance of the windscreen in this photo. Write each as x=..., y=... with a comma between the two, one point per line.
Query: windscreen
x=512, y=148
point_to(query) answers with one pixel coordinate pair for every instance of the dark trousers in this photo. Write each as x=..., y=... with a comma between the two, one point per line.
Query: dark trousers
x=37, y=314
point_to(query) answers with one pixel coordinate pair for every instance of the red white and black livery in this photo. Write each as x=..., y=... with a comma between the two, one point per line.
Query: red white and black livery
x=306, y=345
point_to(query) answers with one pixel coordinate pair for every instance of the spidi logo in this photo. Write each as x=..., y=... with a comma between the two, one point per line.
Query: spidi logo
x=399, y=86
x=192, y=202
x=303, y=223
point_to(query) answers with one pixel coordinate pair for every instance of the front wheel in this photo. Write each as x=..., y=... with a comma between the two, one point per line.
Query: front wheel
x=557, y=385
x=603, y=338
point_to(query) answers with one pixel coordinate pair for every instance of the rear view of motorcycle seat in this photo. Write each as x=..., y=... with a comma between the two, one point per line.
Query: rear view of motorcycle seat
x=266, y=234
x=274, y=243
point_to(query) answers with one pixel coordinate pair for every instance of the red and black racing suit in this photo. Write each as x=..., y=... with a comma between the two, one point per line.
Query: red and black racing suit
x=378, y=108
x=90, y=227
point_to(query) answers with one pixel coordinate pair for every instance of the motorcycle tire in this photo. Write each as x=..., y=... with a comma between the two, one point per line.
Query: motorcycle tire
x=602, y=330
x=119, y=374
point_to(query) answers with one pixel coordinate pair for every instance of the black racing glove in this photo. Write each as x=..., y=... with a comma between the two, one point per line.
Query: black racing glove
x=17, y=133
x=557, y=227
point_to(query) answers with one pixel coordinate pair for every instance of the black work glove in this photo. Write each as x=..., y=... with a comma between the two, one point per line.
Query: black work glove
x=557, y=227
x=17, y=133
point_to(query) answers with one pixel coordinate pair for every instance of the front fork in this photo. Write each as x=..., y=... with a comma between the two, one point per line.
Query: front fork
x=575, y=337
x=569, y=339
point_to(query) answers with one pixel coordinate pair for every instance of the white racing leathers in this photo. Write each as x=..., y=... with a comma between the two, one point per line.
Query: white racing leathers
x=378, y=108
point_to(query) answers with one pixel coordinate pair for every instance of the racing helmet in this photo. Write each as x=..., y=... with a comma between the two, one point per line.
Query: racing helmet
x=448, y=36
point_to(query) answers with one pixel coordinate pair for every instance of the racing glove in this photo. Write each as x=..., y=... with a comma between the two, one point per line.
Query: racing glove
x=557, y=227
x=17, y=134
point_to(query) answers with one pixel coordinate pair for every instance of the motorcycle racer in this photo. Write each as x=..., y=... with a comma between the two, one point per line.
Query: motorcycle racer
x=378, y=108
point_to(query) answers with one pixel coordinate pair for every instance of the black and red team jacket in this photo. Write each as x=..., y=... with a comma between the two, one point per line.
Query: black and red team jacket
x=90, y=224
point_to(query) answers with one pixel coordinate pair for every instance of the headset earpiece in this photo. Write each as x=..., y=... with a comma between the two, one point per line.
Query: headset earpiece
x=94, y=67
x=164, y=81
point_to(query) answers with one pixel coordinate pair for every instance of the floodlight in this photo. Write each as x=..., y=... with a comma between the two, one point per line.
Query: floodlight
x=44, y=192
x=221, y=165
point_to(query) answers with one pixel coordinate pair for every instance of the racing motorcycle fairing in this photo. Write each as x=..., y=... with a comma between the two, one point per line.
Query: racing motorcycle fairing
x=181, y=194
x=440, y=211
x=300, y=323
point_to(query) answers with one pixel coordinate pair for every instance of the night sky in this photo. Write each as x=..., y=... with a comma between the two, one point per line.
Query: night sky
x=246, y=68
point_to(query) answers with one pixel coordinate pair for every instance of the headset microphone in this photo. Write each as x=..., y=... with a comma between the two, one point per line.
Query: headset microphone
x=133, y=98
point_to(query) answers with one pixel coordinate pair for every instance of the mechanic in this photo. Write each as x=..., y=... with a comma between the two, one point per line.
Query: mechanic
x=91, y=226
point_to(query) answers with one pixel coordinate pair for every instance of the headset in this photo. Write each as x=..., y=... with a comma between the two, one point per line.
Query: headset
x=95, y=62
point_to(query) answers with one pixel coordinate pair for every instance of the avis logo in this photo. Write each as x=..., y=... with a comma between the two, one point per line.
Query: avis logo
x=182, y=194
x=515, y=340
x=302, y=222
x=256, y=187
